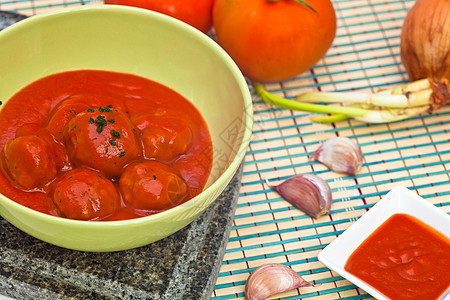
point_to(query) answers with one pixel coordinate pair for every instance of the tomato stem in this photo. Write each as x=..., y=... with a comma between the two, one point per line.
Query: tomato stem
x=303, y=2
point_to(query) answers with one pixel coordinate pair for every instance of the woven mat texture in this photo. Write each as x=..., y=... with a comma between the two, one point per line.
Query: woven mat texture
x=414, y=153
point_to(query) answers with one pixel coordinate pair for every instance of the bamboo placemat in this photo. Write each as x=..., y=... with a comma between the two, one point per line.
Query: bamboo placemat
x=414, y=153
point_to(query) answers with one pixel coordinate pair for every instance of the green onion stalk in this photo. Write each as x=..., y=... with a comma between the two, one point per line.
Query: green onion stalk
x=387, y=105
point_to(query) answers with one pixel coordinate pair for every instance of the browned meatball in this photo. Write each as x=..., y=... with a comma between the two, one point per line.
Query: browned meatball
x=103, y=140
x=83, y=194
x=75, y=104
x=30, y=161
x=164, y=138
x=152, y=185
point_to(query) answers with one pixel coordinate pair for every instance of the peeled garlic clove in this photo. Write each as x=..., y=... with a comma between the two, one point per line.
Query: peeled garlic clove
x=271, y=279
x=309, y=193
x=340, y=154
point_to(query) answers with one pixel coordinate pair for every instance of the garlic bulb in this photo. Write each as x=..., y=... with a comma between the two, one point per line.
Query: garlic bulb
x=271, y=279
x=425, y=46
x=340, y=154
x=309, y=193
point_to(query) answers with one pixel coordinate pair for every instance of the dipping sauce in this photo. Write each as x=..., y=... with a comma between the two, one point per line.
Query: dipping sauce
x=404, y=259
x=101, y=145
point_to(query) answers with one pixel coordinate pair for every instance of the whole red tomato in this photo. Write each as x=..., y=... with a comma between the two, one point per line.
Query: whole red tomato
x=197, y=13
x=274, y=40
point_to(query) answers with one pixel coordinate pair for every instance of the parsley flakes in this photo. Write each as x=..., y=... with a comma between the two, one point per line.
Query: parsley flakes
x=115, y=134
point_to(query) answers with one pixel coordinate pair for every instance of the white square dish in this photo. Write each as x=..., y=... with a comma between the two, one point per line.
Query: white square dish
x=398, y=200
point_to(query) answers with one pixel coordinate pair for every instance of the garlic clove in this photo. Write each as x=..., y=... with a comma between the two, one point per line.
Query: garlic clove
x=340, y=154
x=309, y=193
x=271, y=279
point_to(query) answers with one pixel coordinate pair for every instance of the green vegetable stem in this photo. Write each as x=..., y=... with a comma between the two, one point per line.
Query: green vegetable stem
x=384, y=106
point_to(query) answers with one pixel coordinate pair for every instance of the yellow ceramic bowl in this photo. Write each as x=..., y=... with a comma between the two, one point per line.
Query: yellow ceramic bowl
x=147, y=44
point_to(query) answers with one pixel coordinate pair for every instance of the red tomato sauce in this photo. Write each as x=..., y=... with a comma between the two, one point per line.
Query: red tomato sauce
x=101, y=145
x=404, y=259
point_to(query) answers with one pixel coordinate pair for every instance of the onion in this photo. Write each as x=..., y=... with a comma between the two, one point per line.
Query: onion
x=425, y=46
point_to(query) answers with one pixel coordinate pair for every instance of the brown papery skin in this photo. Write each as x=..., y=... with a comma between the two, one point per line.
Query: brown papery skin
x=425, y=46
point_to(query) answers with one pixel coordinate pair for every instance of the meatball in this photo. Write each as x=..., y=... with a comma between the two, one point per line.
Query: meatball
x=75, y=104
x=61, y=159
x=84, y=194
x=152, y=185
x=96, y=101
x=164, y=138
x=29, y=161
x=60, y=116
x=104, y=140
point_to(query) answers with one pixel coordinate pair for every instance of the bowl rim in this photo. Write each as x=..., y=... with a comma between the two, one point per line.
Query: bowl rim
x=247, y=116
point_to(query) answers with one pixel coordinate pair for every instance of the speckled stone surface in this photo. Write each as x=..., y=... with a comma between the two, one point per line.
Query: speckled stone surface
x=184, y=265
x=8, y=18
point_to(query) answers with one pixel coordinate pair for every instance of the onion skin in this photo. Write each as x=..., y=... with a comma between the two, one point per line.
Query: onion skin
x=425, y=46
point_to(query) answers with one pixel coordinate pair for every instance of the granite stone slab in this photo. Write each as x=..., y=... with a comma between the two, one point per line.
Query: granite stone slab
x=9, y=18
x=184, y=265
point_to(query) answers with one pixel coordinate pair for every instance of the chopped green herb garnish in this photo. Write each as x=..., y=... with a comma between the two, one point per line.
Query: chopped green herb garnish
x=112, y=142
x=90, y=110
x=91, y=121
x=112, y=121
x=154, y=177
x=73, y=127
x=105, y=109
x=101, y=120
x=115, y=133
x=122, y=154
x=100, y=128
